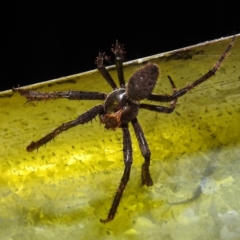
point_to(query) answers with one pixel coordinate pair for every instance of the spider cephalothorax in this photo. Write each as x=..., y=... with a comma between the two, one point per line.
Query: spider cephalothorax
x=121, y=107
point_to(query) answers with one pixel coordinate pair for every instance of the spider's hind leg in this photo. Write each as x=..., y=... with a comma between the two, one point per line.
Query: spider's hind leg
x=162, y=109
x=146, y=153
x=205, y=77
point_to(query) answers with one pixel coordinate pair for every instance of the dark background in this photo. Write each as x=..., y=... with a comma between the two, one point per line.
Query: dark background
x=43, y=41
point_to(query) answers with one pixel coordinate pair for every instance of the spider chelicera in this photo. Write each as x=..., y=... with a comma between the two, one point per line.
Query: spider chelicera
x=120, y=107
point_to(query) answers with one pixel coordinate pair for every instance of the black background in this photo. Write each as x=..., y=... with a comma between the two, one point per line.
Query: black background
x=42, y=41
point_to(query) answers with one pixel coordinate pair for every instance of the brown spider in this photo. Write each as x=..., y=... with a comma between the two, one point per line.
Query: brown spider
x=120, y=107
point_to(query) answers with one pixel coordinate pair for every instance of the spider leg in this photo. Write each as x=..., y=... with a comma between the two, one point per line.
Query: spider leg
x=102, y=69
x=156, y=108
x=119, y=52
x=162, y=108
x=145, y=177
x=181, y=92
x=127, y=155
x=71, y=95
x=83, y=118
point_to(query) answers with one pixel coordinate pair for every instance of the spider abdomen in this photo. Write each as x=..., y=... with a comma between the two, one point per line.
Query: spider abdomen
x=142, y=82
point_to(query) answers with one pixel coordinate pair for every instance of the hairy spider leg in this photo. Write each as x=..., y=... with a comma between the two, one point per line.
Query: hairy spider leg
x=181, y=92
x=127, y=156
x=162, y=109
x=104, y=72
x=83, y=118
x=71, y=95
x=146, y=153
x=119, y=52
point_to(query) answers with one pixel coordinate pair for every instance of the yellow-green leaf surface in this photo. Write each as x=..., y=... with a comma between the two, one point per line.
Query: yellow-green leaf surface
x=63, y=189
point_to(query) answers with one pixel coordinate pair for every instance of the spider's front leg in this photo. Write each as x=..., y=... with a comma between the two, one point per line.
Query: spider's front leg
x=127, y=155
x=71, y=95
x=102, y=69
x=84, y=118
x=119, y=52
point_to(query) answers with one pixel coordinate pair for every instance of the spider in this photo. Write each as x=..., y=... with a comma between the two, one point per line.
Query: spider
x=120, y=107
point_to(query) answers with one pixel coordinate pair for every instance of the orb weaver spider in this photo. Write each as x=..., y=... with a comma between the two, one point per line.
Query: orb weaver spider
x=121, y=107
